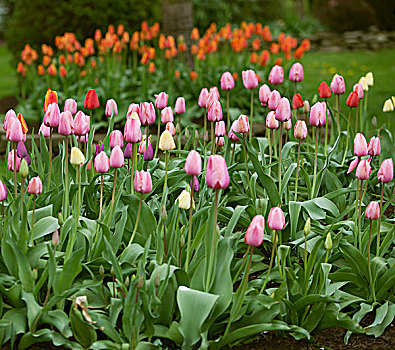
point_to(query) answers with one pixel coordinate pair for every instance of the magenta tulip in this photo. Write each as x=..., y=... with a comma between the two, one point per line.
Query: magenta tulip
x=102, y=163
x=296, y=73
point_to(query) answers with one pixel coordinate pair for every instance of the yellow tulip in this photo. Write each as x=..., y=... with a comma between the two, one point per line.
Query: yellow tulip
x=388, y=106
x=166, y=141
x=369, y=78
x=76, y=156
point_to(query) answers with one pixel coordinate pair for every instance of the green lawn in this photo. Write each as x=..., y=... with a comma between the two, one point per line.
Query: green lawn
x=352, y=65
x=8, y=78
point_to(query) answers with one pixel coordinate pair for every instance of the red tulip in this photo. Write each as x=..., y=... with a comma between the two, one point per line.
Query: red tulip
x=352, y=100
x=323, y=90
x=91, y=100
x=297, y=101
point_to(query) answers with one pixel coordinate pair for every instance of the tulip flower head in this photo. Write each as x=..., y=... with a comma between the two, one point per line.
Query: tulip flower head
x=283, y=110
x=369, y=78
x=35, y=186
x=242, y=126
x=91, y=100
x=102, y=163
x=81, y=124
x=297, y=101
x=220, y=141
x=276, y=219
x=231, y=135
x=202, y=102
x=386, y=171
x=133, y=108
x=323, y=90
x=372, y=211
x=147, y=113
x=365, y=86
x=227, y=81
x=71, y=106
x=111, y=108
x=50, y=97
x=274, y=99
x=148, y=153
x=10, y=114
x=117, y=159
x=184, y=200
x=220, y=129
x=374, y=146
x=300, y=130
x=358, y=88
x=14, y=130
x=255, y=232
x=296, y=73
x=217, y=175
x=352, y=100
x=3, y=192
x=11, y=161
x=171, y=128
x=215, y=92
x=338, y=86
x=194, y=183
x=116, y=139
x=166, y=115
x=271, y=121
x=360, y=146
x=215, y=112
x=250, y=79
x=211, y=98
x=317, y=115
x=363, y=170
x=264, y=93
x=353, y=165
x=132, y=131
x=51, y=117
x=276, y=75
x=179, y=107
x=161, y=100
x=76, y=156
x=306, y=106
x=66, y=123
x=44, y=130
x=166, y=141
x=388, y=106
x=142, y=182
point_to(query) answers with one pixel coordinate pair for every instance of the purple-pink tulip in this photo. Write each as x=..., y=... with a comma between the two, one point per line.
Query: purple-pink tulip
x=296, y=73
x=81, y=124
x=166, y=115
x=116, y=139
x=117, y=159
x=372, y=211
x=363, y=170
x=133, y=108
x=142, y=182
x=271, y=121
x=255, y=232
x=14, y=130
x=276, y=219
x=338, y=86
x=264, y=93
x=274, y=99
x=51, y=117
x=132, y=131
x=374, y=146
x=193, y=163
x=171, y=128
x=202, y=102
x=147, y=113
x=360, y=146
x=161, y=100
x=102, y=163
x=45, y=130
x=3, y=192
x=217, y=175
x=10, y=161
x=215, y=112
x=220, y=128
x=71, y=106
x=10, y=114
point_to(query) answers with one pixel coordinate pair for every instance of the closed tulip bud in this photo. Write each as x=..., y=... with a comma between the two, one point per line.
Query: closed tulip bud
x=353, y=165
x=300, y=130
x=193, y=163
x=231, y=135
x=283, y=110
x=374, y=147
x=149, y=153
x=21, y=150
x=250, y=79
x=166, y=141
x=179, y=107
x=163, y=212
x=227, y=81
x=111, y=107
x=171, y=128
x=55, y=238
x=194, y=183
x=133, y=108
x=316, y=114
x=35, y=274
x=338, y=86
x=372, y=211
x=147, y=113
x=217, y=175
x=186, y=133
x=116, y=139
x=140, y=283
x=363, y=170
x=157, y=280
x=264, y=93
x=274, y=99
x=52, y=115
x=352, y=99
x=388, y=106
x=10, y=114
x=358, y=88
x=45, y=130
x=60, y=219
x=242, y=126
x=116, y=158
x=76, y=156
x=3, y=191
x=323, y=90
x=215, y=112
x=296, y=72
x=35, y=186
x=254, y=234
x=98, y=149
x=276, y=75
x=132, y=131
x=81, y=125
x=161, y=100
x=50, y=97
x=360, y=146
x=307, y=227
x=297, y=101
x=128, y=152
x=91, y=100
x=202, y=102
x=142, y=182
x=306, y=106
x=166, y=115
x=369, y=78
x=102, y=163
x=211, y=98
x=66, y=123
x=288, y=125
x=328, y=242
x=271, y=121
x=214, y=90
x=101, y=271
x=10, y=161
x=14, y=130
x=276, y=219
x=386, y=171
x=71, y=106
x=220, y=141
x=184, y=200
x=374, y=121
x=24, y=169
x=365, y=86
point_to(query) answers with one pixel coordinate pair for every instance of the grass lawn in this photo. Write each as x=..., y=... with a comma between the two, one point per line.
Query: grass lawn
x=352, y=65
x=8, y=78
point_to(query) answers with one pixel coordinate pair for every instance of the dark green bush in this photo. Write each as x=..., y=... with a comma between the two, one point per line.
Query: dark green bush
x=385, y=13
x=39, y=21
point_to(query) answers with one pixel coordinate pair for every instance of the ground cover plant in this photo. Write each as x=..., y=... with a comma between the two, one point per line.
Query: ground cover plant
x=160, y=235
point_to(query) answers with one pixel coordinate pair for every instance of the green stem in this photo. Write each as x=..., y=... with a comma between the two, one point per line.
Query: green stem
x=205, y=127
x=252, y=112
x=50, y=159
x=137, y=220
x=271, y=262
x=379, y=223
x=280, y=145
x=246, y=162
x=326, y=134
x=297, y=172
x=179, y=131
x=241, y=266
x=356, y=119
x=15, y=179
x=359, y=218
x=166, y=162
x=101, y=196
x=338, y=114
x=132, y=169
x=157, y=138
x=227, y=109
x=348, y=136
x=233, y=152
x=270, y=150
x=190, y=227
x=114, y=185
x=356, y=213
x=369, y=264
x=32, y=229
x=22, y=194
x=66, y=171
x=305, y=256
x=212, y=138
x=315, y=162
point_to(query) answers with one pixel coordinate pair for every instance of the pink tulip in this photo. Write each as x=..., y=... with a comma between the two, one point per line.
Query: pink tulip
x=217, y=175
x=372, y=211
x=220, y=141
x=171, y=128
x=296, y=72
x=143, y=144
x=264, y=93
x=306, y=106
x=276, y=219
x=111, y=107
x=116, y=139
x=215, y=91
x=117, y=159
x=10, y=114
x=81, y=124
x=271, y=121
x=133, y=108
x=276, y=75
x=215, y=112
x=202, y=102
x=102, y=163
x=211, y=98
x=220, y=129
x=193, y=163
x=358, y=88
x=317, y=114
x=51, y=117
x=132, y=131
x=161, y=100
x=66, y=123
x=232, y=136
x=338, y=85
x=250, y=80
x=227, y=81
x=142, y=182
x=147, y=113
x=353, y=165
x=10, y=161
x=288, y=125
x=255, y=232
x=35, y=186
x=242, y=126
x=45, y=130
x=71, y=106
x=283, y=110
x=363, y=170
x=14, y=130
x=166, y=115
x=374, y=147
x=386, y=171
x=360, y=146
x=179, y=107
x=300, y=130
x=274, y=99
x=3, y=191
